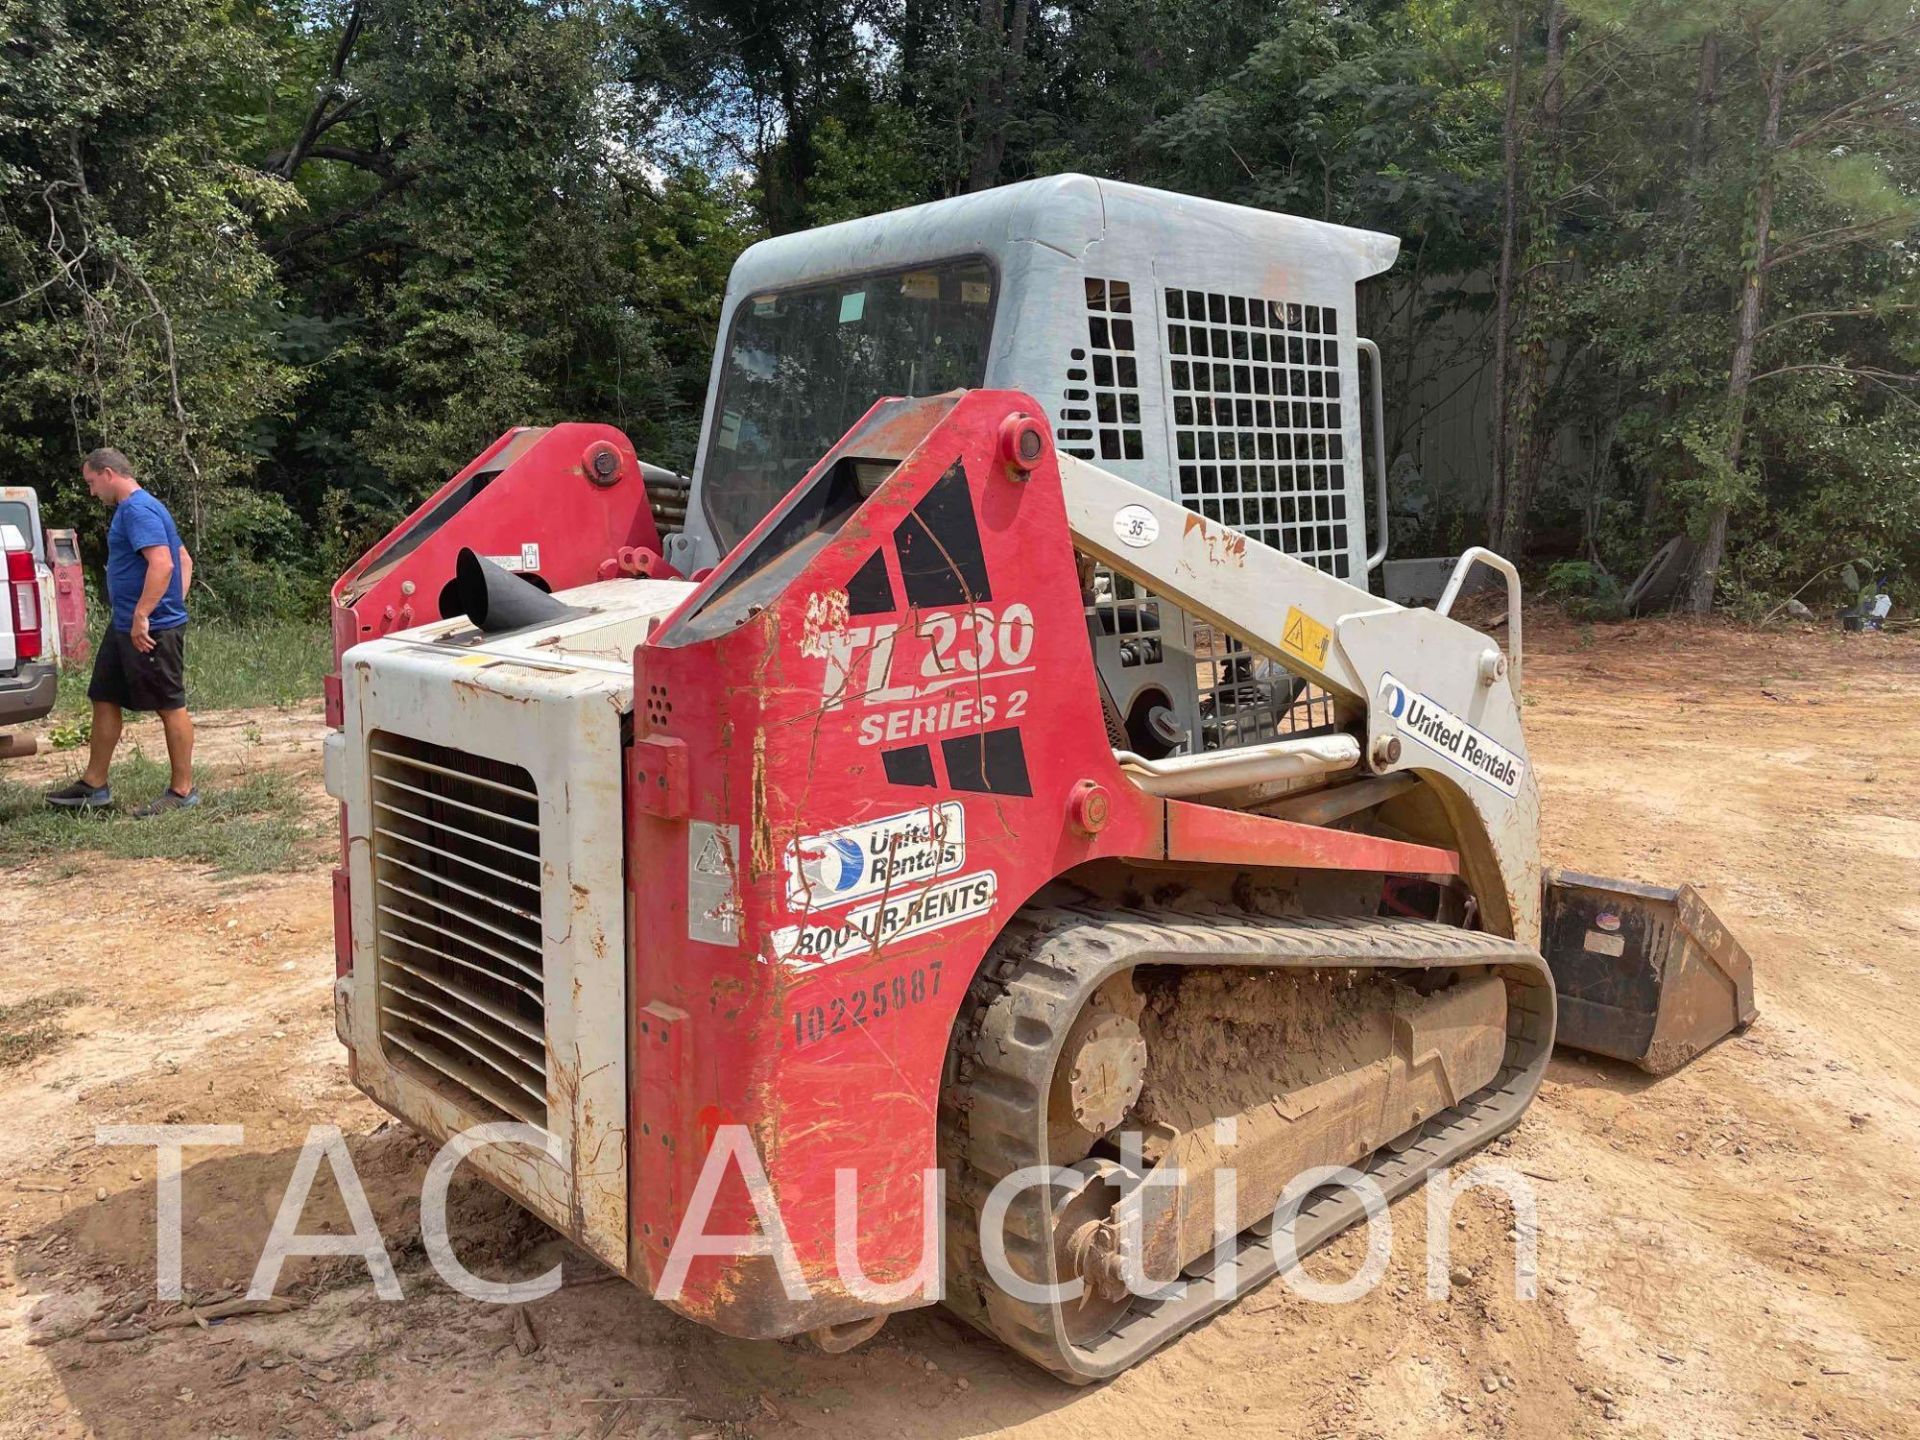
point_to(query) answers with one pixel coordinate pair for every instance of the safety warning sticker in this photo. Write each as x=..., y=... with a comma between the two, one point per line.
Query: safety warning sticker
x=527, y=559
x=713, y=900
x=1305, y=637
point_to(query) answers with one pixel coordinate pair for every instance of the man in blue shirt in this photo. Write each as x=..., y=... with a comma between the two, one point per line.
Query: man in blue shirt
x=141, y=664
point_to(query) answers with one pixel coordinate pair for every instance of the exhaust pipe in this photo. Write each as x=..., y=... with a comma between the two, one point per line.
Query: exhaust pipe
x=495, y=599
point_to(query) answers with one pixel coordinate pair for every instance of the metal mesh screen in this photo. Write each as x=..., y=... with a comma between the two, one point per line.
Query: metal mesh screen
x=1245, y=699
x=1124, y=608
x=1254, y=400
x=1254, y=387
x=1101, y=417
x=1255, y=390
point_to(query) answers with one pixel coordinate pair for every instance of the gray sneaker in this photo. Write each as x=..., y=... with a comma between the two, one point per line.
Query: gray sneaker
x=79, y=795
x=169, y=800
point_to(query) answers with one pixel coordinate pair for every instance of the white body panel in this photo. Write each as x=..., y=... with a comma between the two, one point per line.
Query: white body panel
x=550, y=700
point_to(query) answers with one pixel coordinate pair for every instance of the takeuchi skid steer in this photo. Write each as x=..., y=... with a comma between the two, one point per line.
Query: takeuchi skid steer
x=971, y=806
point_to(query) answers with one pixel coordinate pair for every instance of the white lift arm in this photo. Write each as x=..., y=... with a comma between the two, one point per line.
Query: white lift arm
x=1417, y=690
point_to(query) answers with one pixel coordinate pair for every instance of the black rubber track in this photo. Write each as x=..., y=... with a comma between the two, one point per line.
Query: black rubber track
x=1035, y=981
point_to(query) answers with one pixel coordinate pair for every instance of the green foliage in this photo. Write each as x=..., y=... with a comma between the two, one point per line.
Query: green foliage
x=867, y=174
x=1584, y=590
x=302, y=259
x=128, y=234
x=257, y=560
x=71, y=734
x=273, y=662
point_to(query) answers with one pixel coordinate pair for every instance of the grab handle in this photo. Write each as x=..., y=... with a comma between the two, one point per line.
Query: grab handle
x=1372, y=352
x=1480, y=555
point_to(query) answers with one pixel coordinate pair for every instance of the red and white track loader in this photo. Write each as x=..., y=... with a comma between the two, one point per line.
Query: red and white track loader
x=1020, y=820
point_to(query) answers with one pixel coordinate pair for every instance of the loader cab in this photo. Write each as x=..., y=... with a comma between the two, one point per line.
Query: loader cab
x=1201, y=350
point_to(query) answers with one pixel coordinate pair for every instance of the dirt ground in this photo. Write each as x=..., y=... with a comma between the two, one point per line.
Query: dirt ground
x=1726, y=1252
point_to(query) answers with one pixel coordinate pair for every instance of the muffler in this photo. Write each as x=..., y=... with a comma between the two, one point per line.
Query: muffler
x=1643, y=973
x=496, y=599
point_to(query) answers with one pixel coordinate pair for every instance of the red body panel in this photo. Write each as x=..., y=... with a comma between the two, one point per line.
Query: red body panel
x=533, y=487
x=924, y=661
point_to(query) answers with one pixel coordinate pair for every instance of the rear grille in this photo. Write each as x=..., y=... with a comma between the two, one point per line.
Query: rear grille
x=456, y=867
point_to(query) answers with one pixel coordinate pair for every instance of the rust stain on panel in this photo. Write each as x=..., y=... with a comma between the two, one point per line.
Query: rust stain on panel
x=1224, y=546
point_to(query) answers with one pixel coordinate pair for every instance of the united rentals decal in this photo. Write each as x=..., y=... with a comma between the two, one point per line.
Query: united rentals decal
x=1447, y=735
x=870, y=928
x=857, y=862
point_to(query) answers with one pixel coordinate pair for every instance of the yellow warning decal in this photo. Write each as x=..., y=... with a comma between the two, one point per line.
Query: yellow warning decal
x=1306, y=637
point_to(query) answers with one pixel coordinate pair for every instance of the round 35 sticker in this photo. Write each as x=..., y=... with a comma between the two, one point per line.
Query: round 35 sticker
x=1136, y=526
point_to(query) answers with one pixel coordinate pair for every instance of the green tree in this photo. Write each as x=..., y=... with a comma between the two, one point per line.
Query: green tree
x=1745, y=295
x=137, y=300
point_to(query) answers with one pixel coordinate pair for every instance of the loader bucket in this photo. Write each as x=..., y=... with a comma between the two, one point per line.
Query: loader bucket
x=1643, y=973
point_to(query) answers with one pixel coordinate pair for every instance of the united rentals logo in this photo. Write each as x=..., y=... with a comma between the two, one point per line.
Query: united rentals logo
x=890, y=854
x=1447, y=735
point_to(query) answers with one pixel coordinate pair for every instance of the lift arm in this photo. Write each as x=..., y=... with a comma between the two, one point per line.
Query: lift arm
x=1225, y=577
x=1419, y=691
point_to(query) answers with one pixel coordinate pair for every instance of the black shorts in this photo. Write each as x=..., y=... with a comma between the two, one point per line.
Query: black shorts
x=154, y=681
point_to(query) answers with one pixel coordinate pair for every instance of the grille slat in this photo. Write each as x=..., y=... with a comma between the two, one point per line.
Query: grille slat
x=459, y=938
x=478, y=1081
x=457, y=804
x=467, y=890
x=446, y=907
x=498, y=1050
x=444, y=854
x=526, y=970
x=525, y=1030
x=518, y=852
x=445, y=773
